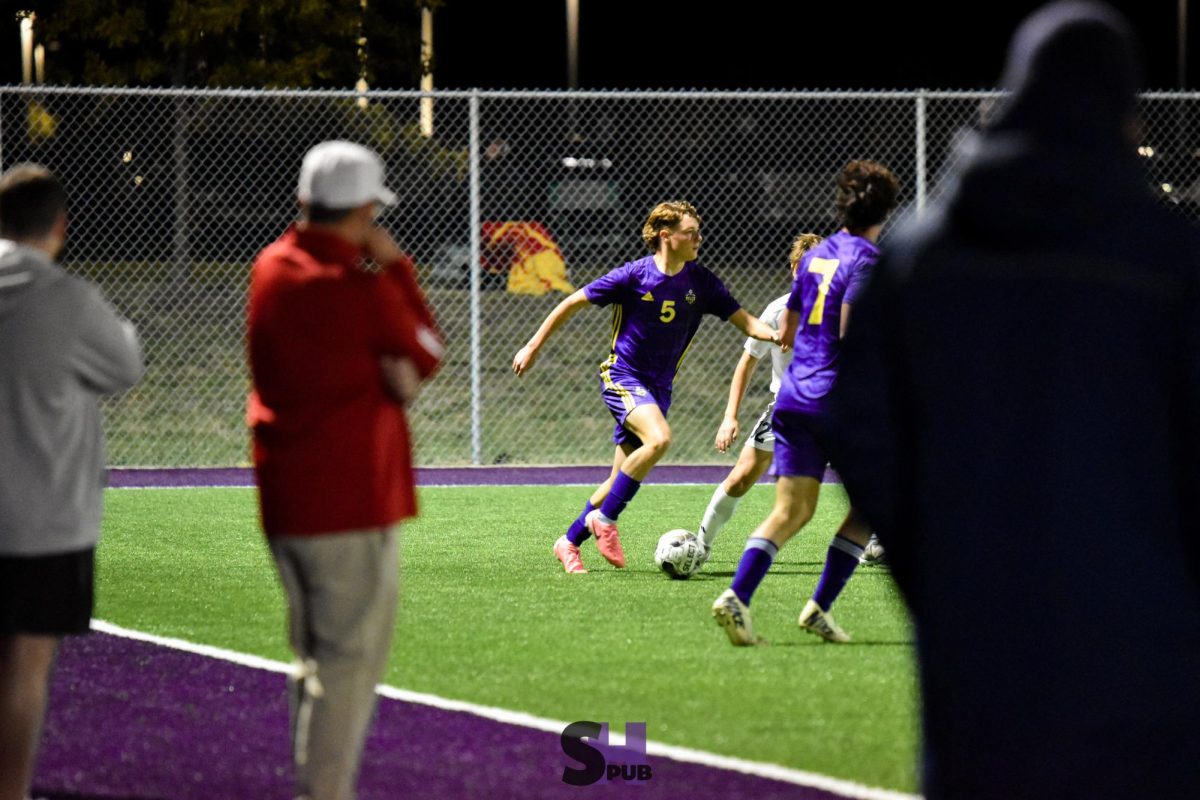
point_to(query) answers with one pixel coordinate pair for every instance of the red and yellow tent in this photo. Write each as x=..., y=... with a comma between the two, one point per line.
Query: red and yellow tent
x=527, y=250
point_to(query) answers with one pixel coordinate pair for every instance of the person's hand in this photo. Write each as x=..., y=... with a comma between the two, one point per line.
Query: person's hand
x=380, y=247
x=523, y=360
x=727, y=433
x=401, y=378
x=783, y=346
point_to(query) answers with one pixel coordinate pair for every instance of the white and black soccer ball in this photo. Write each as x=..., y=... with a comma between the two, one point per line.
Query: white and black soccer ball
x=678, y=553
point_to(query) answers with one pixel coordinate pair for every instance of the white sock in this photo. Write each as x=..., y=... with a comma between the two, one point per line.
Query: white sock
x=720, y=509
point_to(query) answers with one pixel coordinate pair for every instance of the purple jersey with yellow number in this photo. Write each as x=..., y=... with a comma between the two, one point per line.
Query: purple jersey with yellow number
x=832, y=273
x=655, y=316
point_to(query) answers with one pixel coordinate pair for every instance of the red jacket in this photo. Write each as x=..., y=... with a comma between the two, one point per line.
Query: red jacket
x=331, y=445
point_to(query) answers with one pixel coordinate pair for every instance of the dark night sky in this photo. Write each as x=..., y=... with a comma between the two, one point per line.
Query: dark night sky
x=788, y=44
x=770, y=45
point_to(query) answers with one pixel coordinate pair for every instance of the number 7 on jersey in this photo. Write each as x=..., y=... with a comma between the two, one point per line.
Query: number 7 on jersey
x=826, y=268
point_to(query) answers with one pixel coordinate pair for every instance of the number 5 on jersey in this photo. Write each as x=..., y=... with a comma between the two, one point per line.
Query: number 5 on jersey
x=826, y=268
x=668, y=311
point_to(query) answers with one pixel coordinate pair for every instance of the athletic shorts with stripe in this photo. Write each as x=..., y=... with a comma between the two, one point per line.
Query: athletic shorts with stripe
x=623, y=393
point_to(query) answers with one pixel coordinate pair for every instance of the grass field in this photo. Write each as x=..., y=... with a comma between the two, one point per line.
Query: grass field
x=488, y=616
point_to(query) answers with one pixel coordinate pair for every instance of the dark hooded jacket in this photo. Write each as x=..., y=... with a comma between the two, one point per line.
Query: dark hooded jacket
x=1019, y=417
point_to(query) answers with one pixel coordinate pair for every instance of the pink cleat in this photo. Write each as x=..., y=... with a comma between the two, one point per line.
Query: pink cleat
x=608, y=541
x=568, y=554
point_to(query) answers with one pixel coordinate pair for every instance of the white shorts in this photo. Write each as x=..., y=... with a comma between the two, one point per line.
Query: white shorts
x=762, y=437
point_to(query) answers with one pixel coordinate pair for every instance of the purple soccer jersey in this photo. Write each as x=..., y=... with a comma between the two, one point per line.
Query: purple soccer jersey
x=832, y=273
x=655, y=316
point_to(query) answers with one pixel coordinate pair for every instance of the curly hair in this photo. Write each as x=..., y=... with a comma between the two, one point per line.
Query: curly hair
x=866, y=193
x=663, y=217
x=804, y=242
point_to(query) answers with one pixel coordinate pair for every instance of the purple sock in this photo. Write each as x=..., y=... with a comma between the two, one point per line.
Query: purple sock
x=840, y=563
x=622, y=491
x=578, y=533
x=756, y=560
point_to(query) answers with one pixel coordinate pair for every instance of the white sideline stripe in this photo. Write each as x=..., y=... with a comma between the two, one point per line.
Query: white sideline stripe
x=244, y=659
x=760, y=769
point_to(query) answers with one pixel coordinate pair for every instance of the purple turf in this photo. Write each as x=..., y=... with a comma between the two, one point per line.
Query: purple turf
x=433, y=476
x=130, y=719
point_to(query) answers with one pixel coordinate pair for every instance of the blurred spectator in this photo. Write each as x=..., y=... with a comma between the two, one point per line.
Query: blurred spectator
x=62, y=346
x=1020, y=414
x=335, y=354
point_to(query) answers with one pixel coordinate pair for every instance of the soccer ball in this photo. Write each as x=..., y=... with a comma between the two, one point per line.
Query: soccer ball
x=678, y=553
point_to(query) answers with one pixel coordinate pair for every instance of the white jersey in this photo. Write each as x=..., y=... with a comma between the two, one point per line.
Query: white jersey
x=772, y=315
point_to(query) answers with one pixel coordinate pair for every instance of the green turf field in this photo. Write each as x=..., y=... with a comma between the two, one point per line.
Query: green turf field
x=488, y=616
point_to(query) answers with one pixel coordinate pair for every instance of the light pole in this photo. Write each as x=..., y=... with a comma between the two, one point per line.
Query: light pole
x=1182, y=44
x=27, y=18
x=426, y=120
x=360, y=85
x=573, y=44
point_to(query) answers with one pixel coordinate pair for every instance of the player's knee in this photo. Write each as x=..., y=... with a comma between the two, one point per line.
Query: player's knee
x=798, y=515
x=738, y=486
x=658, y=443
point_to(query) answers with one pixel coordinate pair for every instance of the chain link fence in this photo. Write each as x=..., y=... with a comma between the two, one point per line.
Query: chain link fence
x=173, y=192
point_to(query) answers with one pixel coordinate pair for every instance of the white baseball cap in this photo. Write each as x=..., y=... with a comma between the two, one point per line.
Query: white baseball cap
x=343, y=175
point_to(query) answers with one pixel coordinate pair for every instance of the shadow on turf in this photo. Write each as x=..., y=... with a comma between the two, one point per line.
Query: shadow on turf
x=731, y=573
x=814, y=641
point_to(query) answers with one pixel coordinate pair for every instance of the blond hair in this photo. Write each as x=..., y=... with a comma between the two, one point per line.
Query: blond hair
x=804, y=242
x=663, y=217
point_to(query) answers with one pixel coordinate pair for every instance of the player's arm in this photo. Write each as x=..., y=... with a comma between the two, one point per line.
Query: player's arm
x=728, y=431
x=844, y=322
x=790, y=320
x=755, y=328
x=408, y=337
x=562, y=312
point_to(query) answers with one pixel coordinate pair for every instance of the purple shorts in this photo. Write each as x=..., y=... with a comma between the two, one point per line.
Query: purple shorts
x=798, y=450
x=623, y=393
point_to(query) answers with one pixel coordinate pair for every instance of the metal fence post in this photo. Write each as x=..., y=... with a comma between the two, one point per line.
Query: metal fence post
x=181, y=251
x=921, y=153
x=476, y=253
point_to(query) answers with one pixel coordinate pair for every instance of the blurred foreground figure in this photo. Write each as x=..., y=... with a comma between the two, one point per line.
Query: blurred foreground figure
x=336, y=355
x=62, y=347
x=1019, y=405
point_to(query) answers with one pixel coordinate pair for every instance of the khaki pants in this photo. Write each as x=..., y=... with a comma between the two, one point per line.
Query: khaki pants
x=341, y=592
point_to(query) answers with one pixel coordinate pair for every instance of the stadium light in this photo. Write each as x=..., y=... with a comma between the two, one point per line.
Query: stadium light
x=39, y=64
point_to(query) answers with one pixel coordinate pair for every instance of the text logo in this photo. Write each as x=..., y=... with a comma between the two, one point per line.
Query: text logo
x=604, y=762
